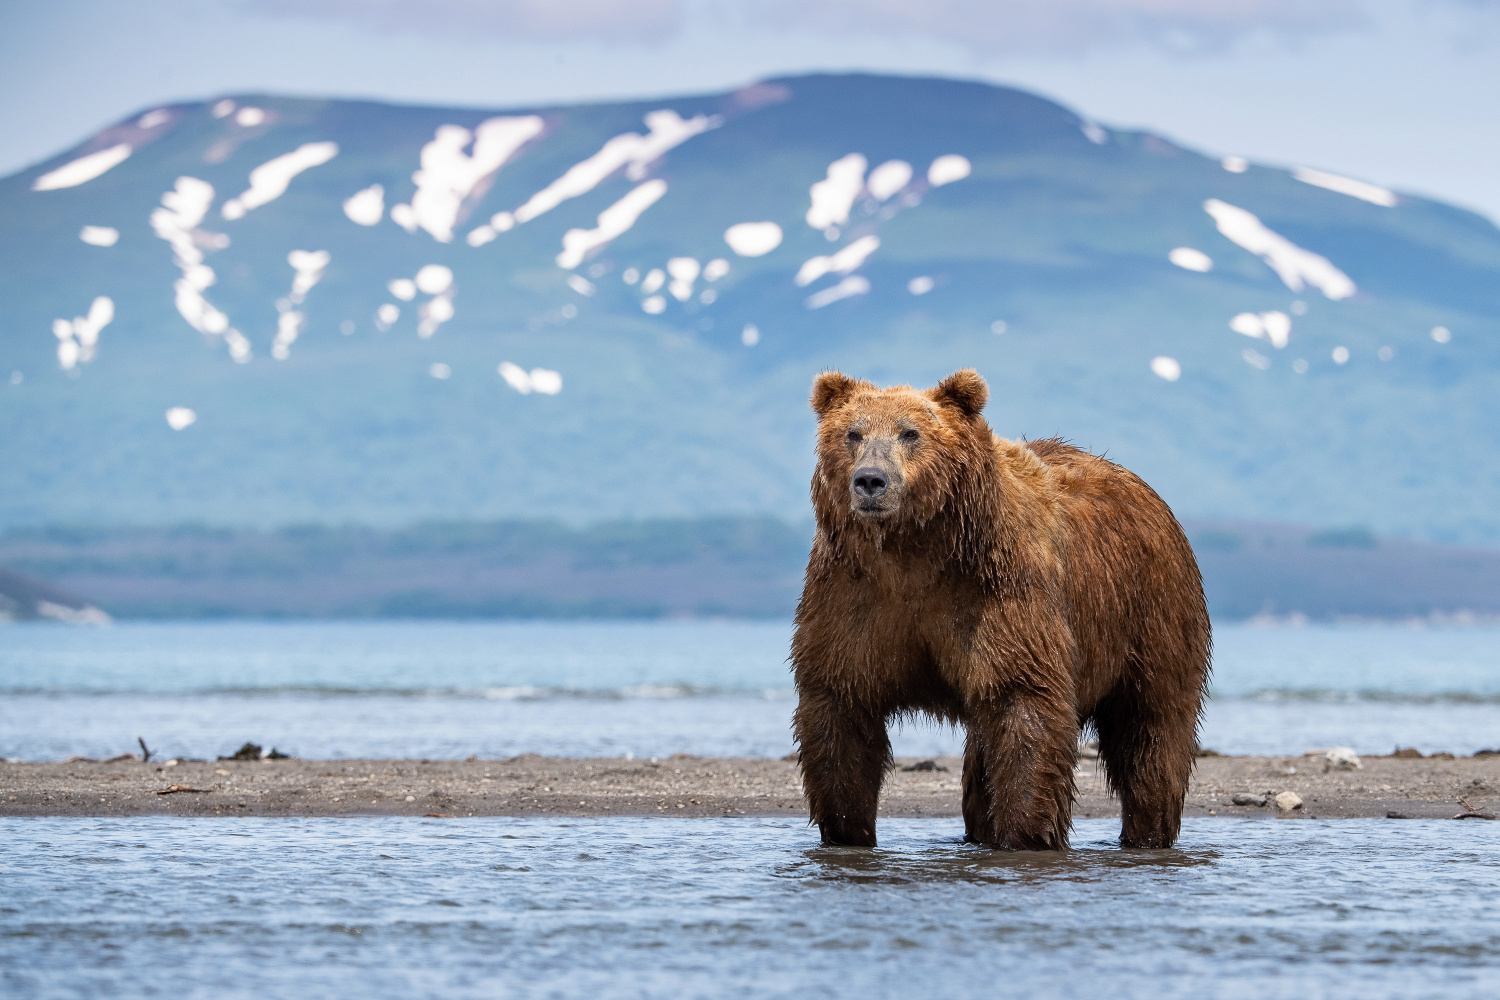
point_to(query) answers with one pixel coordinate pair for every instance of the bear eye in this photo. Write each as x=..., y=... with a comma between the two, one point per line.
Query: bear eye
x=909, y=436
x=855, y=437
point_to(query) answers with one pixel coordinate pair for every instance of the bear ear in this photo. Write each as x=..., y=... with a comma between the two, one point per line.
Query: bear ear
x=964, y=389
x=830, y=389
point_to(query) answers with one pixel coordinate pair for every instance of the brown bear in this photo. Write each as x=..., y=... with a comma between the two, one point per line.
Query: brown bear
x=1022, y=589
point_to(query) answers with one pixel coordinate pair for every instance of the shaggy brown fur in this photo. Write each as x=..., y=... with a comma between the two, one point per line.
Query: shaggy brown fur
x=1021, y=589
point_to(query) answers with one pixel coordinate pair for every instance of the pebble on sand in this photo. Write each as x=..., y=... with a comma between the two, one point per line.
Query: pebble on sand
x=1248, y=799
x=1288, y=801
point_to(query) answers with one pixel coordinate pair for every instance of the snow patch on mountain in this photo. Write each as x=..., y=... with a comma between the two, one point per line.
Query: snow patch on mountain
x=77, y=338
x=309, y=266
x=632, y=151
x=448, y=175
x=99, y=236
x=1190, y=259
x=83, y=169
x=1363, y=190
x=614, y=221
x=1275, y=326
x=366, y=207
x=848, y=288
x=947, y=169
x=846, y=260
x=540, y=380
x=834, y=195
x=270, y=180
x=1296, y=267
x=753, y=239
x=888, y=178
x=176, y=221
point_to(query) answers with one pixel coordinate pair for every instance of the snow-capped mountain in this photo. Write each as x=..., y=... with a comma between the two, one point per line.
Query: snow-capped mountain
x=256, y=310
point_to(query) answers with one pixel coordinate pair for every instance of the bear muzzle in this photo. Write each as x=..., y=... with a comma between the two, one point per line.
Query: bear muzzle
x=869, y=483
x=874, y=492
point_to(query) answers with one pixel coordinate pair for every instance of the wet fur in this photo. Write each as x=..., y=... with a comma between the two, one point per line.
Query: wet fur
x=1022, y=590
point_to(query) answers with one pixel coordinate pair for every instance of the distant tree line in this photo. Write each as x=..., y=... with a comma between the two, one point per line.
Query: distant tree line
x=709, y=566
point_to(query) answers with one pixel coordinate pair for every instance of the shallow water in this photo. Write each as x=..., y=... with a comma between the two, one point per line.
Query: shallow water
x=450, y=689
x=397, y=907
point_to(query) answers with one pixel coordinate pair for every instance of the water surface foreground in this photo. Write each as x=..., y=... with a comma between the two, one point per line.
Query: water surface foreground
x=626, y=907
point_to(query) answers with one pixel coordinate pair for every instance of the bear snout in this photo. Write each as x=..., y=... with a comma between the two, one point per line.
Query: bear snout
x=870, y=482
x=875, y=493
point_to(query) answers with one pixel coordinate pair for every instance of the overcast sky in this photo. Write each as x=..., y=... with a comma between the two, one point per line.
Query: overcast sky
x=1402, y=92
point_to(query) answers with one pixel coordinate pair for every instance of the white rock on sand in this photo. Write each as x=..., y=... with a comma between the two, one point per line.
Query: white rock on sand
x=1288, y=801
x=1343, y=759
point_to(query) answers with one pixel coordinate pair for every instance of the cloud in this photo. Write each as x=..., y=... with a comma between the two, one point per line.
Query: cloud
x=533, y=20
x=986, y=27
x=1009, y=26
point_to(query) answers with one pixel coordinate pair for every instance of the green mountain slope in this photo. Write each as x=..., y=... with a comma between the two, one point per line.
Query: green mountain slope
x=1061, y=232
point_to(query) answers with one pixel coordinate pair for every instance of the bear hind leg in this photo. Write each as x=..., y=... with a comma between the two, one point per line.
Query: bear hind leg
x=1148, y=753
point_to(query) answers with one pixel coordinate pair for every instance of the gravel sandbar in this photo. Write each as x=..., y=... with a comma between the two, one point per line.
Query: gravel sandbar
x=529, y=785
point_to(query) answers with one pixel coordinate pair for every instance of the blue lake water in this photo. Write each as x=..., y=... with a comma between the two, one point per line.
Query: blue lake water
x=647, y=907
x=496, y=689
x=402, y=908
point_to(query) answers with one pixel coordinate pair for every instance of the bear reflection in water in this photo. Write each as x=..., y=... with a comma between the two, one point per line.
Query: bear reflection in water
x=1022, y=589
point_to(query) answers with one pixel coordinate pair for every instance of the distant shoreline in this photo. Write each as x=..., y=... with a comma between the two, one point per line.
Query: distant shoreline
x=532, y=785
x=739, y=567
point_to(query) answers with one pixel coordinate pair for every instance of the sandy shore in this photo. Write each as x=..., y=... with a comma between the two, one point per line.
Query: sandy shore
x=531, y=785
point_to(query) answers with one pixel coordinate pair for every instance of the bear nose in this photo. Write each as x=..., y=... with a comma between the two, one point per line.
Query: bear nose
x=870, y=482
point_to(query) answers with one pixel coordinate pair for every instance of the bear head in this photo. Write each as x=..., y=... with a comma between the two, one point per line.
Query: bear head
x=888, y=455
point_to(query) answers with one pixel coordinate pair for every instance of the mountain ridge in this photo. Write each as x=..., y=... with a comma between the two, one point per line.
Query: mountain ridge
x=1061, y=238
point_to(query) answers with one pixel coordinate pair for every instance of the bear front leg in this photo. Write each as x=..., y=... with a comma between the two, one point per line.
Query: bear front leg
x=845, y=752
x=976, y=783
x=1022, y=799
